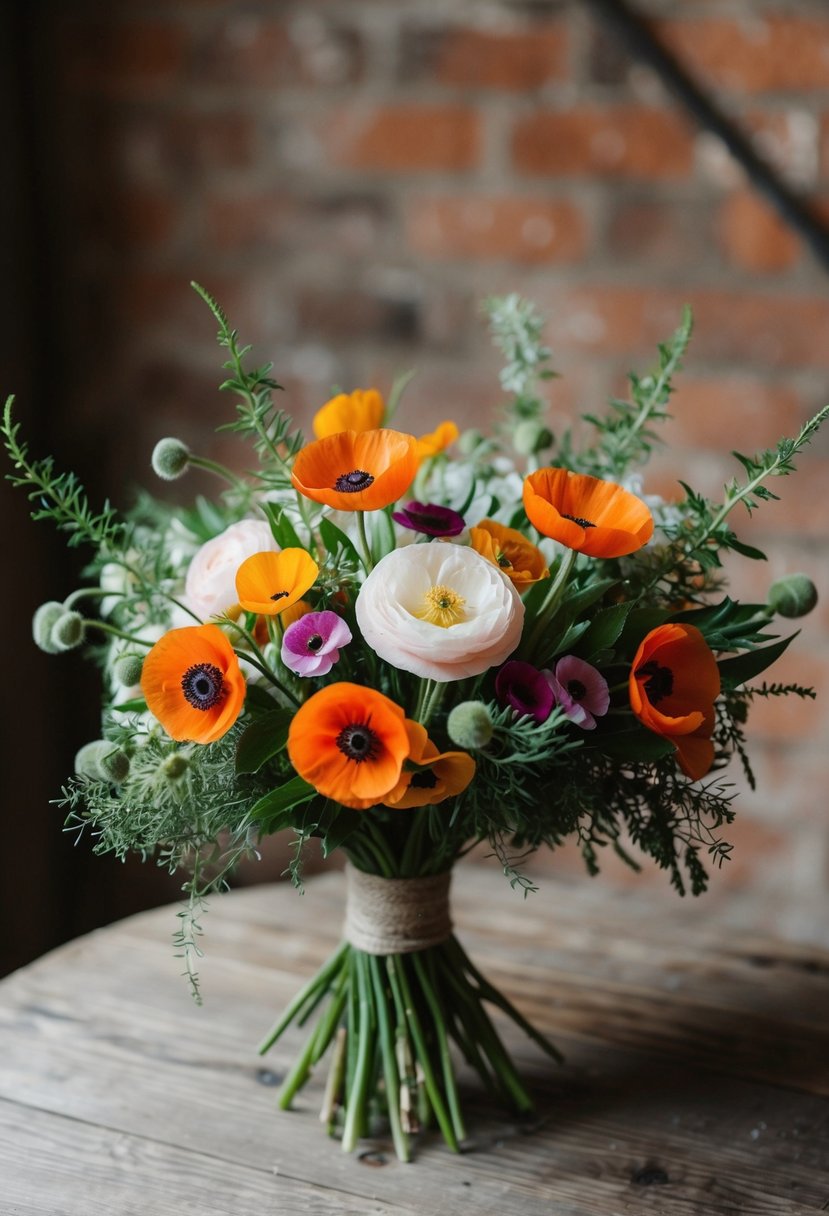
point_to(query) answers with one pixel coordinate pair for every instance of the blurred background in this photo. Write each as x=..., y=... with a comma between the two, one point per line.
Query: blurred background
x=350, y=180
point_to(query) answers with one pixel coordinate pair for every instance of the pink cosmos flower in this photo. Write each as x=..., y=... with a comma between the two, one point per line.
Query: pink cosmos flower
x=580, y=690
x=311, y=646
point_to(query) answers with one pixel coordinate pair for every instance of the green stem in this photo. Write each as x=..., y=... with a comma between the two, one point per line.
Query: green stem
x=368, y=560
x=90, y=623
x=401, y=1140
x=355, y=1113
x=551, y=601
x=439, y=1021
x=220, y=470
x=322, y=977
x=413, y=1021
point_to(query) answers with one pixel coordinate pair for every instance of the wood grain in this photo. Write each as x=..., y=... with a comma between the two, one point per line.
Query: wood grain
x=696, y=1075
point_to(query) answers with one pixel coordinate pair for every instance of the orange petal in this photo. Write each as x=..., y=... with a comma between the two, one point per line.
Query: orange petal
x=437, y=440
x=585, y=513
x=171, y=676
x=355, y=471
x=268, y=583
x=361, y=410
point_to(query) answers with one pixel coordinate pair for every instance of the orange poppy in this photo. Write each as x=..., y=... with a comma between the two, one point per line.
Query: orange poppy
x=674, y=681
x=522, y=562
x=437, y=440
x=585, y=513
x=349, y=742
x=192, y=683
x=356, y=471
x=438, y=775
x=361, y=410
x=268, y=583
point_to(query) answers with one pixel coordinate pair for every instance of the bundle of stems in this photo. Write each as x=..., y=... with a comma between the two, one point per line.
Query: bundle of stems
x=391, y=1019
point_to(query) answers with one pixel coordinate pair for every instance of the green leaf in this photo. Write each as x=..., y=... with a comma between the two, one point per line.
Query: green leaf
x=746, y=666
x=263, y=739
x=344, y=825
x=756, y=555
x=284, y=532
x=381, y=529
x=334, y=538
x=637, y=744
x=270, y=812
x=258, y=701
x=639, y=623
x=136, y=706
x=605, y=629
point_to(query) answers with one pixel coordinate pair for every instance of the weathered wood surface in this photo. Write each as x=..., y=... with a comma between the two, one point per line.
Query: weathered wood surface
x=696, y=1079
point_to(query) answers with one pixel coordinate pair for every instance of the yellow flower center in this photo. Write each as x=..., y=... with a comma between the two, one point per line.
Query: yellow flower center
x=442, y=606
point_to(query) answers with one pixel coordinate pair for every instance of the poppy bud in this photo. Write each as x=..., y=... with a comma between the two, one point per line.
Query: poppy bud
x=531, y=436
x=470, y=725
x=174, y=766
x=127, y=669
x=101, y=760
x=67, y=632
x=170, y=459
x=42, y=622
x=792, y=596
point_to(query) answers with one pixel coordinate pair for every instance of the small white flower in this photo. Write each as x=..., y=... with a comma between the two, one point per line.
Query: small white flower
x=440, y=611
x=210, y=587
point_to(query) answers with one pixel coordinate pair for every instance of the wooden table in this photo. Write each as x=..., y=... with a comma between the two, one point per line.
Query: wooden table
x=696, y=1076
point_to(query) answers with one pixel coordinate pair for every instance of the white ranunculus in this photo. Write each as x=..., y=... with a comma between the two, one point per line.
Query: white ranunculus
x=482, y=612
x=210, y=588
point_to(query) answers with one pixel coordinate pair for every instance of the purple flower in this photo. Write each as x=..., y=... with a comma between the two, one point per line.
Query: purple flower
x=311, y=646
x=431, y=519
x=526, y=689
x=580, y=690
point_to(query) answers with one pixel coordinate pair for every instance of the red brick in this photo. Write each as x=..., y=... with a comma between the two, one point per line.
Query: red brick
x=347, y=225
x=263, y=53
x=120, y=57
x=758, y=54
x=406, y=138
x=754, y=237
x=511, y=60
x=509, y=228
x=782, y=330
x=731, y=411
x=132, y=219
x=626, y=141
x=672, y=234
x=793, y=718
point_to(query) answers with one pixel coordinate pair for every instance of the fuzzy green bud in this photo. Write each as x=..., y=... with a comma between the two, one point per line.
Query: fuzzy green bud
x=67, y=631
x=531, y=436
x=174, y=766
x=101, y=760
x=127, y=669
x=170, y=459
x=792, y=596
x=470, y=725
x=469, y=441
x=42, y=622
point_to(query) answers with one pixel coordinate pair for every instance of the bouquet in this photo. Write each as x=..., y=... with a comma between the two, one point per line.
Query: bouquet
x=405, y=646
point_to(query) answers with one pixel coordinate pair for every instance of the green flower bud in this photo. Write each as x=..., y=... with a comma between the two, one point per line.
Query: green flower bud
x=42, y=622
x=792, y=596
x=170, y=459
x=531, y=436
x=127, y=669
x=67, y=631
x=469, y=441
x=174, y=766
x=470, y=725
x=101, y=760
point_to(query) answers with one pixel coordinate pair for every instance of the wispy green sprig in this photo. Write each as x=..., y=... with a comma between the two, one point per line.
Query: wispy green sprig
x=58, y=496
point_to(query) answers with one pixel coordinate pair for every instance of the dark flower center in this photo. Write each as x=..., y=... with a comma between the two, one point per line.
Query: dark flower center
x=577, y=519
x=358, y=742
x=424, y=780
x=576, y=689
x=280, y=595
x=314, y=642
x=350, y=483
x=502, y=559
x=203, y=686
x=659, y=682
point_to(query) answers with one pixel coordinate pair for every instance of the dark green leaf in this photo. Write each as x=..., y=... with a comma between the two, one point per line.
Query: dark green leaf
x=283, y=530
x=136, y=706
x=263, y=739
x=258, y=701
x=271, y=811
x=638, y=744
x=334, y=538
x=756, y=555
x=344, y=825
x=604, y=630
x=746, y=666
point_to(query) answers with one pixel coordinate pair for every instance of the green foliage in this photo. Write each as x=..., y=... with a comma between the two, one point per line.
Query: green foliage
x=58, y=496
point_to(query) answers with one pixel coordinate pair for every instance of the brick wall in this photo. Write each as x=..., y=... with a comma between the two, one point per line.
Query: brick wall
x=350, y=179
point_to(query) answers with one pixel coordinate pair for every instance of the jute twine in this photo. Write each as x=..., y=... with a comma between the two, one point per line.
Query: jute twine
x=396, y=915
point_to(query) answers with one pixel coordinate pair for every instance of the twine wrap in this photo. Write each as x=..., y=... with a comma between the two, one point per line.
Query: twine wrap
x=396, y=915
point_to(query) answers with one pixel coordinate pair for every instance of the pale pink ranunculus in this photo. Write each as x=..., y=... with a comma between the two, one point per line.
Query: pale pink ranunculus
x=210, y=587
x=440, y=611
